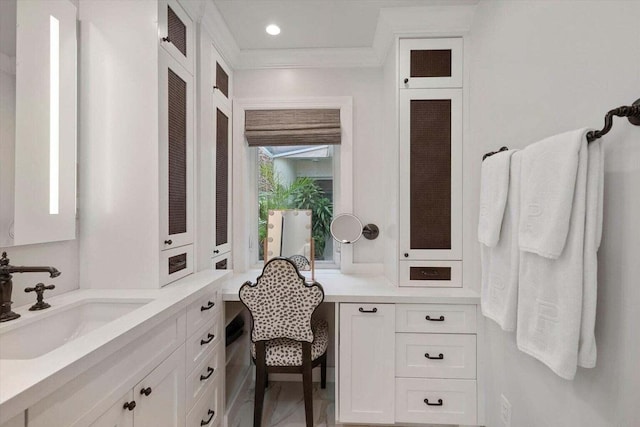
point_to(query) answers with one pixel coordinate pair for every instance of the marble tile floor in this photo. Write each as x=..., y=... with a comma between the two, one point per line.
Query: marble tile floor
x=284, y=407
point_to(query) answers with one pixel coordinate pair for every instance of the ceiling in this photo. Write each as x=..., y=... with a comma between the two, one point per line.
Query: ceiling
x=306, y=23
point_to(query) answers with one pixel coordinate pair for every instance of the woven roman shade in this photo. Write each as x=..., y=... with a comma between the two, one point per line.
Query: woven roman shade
x=292, y=127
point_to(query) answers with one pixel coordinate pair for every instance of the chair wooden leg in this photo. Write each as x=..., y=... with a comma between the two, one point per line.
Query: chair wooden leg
x=307, y=382
x=323, y=371
x=261, y=374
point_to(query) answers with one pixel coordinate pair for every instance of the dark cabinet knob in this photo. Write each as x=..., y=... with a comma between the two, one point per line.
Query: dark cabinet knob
x=406, y=255
x=168, y=242
x=209, y=373
x=210, y=338
x=146, y=391
x=406, y=81
x=439, y=357
x=208, y=420
x=216, y=251
x=166, y=39
x=129, y=405
x=433, y=404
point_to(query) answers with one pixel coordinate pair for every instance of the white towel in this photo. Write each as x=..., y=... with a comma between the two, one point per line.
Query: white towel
x=592, y=237
x=550, y=294
x=548, y=186
x=494, y=187
x=499, y=293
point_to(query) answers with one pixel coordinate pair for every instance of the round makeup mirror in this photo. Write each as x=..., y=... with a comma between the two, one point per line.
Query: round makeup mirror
x=346, y=228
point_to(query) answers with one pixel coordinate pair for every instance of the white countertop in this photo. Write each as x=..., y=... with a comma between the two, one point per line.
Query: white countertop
x=25, y=382
x=339, y=287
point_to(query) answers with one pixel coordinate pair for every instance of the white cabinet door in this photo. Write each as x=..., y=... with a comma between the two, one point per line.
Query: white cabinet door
x=222, y=178
x=160, y=397
x=430, y=63
x=118, y=415
x=176, y=136
x=177, y=33
x=366, y=363
x=431, y=174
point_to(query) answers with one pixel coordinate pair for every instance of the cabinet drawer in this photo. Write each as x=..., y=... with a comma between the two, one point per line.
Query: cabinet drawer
x=436, y=356
x=431, y=274
x=203, y=310
x=204, y=374
x=438, y=318
x=208, y=410
x=449, y=401
x=200, y=343
x=176, y=263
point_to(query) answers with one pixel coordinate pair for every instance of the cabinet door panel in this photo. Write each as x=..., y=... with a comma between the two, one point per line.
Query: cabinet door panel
x=431, y=174
x=160, y=396
x=176, y=33
x=366, y=363
x=222, y=178
x=430, y=63
x=117, y=415
x=176, y=154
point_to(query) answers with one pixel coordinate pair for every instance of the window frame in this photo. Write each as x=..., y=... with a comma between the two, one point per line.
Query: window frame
x=245, y=175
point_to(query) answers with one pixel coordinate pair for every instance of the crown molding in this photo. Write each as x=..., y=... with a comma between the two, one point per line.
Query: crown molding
x=439, y=19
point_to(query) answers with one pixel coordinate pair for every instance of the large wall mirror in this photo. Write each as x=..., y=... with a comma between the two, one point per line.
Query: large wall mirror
x=289, y=236
x=38, y=114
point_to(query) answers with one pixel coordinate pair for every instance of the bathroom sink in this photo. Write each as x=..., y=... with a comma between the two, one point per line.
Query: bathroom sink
x=44, y=331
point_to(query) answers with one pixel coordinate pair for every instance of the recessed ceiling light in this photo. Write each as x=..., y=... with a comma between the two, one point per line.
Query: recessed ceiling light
x=273, y=29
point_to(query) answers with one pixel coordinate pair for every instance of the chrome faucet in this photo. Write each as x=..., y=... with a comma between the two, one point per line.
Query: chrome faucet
x=6, y=284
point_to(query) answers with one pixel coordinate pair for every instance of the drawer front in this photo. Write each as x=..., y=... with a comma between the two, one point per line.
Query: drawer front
x=208, y=409
x=429, y=401
x=431, y=274
x=203, y=310
x=204, y=374
x=176, y=263
x=436, y=356
x=202, y=342
x=437, y=318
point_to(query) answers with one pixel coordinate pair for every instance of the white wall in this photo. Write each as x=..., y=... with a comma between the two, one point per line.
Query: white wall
x=536, y=69
x=7, y=145
x=118, y=185
x=364, y=85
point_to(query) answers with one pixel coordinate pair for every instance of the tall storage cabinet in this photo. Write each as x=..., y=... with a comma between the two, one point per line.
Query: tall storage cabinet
x=430, y=133
x=176, y=141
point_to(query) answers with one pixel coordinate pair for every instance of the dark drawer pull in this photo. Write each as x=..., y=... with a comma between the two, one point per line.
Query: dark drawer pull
x=209, y=373
x=129, y=405
x=373, y=310
x=433, y=404
x=211, y=414
x=146, y=391
x=168, y=242
x=439, y=319
x=210, y=338
x=439, y=357
x=209, y=306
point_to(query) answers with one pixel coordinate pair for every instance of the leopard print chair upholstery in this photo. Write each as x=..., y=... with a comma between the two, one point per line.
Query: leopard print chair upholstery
x=281, y=305
x=284, y=338
x=301, y=262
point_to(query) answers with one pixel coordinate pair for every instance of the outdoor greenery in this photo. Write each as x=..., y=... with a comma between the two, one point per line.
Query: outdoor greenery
x=303, y=193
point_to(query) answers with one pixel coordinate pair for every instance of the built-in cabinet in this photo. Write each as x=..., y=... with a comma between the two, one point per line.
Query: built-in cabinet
x=407, y=363
x=366, y=367
x=222, y=119
x=171, y=376
x=430, y=151
x=176, y=96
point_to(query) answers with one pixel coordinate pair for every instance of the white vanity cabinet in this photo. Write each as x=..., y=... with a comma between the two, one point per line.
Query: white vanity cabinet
x=407, y=363
x=366, y=363
x=156, y=400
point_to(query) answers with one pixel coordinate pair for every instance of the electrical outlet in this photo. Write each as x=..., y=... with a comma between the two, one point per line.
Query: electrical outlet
x=505, y=411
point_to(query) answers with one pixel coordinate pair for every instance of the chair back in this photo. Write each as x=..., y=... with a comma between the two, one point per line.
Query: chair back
x=281, y=303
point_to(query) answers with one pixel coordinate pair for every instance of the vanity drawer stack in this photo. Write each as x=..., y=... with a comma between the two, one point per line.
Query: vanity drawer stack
x=204, y=360
x=435, y=364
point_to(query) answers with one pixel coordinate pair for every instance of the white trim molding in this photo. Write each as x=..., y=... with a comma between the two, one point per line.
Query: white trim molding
x=440, y=18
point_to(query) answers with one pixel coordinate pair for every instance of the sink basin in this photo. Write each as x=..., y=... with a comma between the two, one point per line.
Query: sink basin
x=43, y=332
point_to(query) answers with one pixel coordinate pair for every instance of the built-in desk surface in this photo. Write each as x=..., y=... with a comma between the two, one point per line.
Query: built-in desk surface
x=339, y=287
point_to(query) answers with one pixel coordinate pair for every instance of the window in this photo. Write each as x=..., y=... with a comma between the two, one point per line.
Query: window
x=298, y=177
